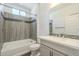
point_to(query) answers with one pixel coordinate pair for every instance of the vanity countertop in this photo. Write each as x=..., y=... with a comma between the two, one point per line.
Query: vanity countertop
x=73, y=43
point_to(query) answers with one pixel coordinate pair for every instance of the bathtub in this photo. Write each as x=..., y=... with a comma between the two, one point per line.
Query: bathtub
x=16, y=48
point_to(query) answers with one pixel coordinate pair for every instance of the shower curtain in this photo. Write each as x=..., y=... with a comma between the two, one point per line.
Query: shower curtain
x=15, y=30
x=34, y=30
x=1, y=32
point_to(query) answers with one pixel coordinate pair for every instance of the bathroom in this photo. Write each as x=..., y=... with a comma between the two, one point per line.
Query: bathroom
x=17, y=28
x=39, y=29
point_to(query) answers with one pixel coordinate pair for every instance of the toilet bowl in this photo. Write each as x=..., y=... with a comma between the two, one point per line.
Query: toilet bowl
x=35, y=49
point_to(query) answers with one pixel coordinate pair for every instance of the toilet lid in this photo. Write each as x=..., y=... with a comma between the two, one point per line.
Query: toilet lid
x=34, y=46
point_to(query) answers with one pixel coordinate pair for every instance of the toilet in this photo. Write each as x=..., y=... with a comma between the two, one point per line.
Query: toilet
x=35, y=49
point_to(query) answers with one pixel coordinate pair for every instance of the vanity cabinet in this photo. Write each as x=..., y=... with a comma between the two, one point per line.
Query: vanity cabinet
x=60, y=46
x=47, y=51
x=55, y=53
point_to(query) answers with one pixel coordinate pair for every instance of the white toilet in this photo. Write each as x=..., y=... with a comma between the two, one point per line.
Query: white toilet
x=35, y=49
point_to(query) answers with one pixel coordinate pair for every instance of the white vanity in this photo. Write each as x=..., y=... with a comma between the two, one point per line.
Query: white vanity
x=57, y=46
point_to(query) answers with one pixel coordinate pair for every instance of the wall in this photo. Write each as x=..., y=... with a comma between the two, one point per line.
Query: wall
x=63, y=17
x=43, y=19
x=1, y=30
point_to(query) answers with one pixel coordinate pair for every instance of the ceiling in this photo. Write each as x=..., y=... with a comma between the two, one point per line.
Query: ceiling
x=60, y=6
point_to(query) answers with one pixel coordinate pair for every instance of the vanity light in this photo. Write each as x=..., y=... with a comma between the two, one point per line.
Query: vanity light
x=53, y=4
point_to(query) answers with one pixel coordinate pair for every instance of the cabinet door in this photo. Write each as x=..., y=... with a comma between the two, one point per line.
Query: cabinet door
x=45, y=51
x=55, y=53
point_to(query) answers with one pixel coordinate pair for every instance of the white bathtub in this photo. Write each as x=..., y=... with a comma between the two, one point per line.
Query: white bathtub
x=16, y=48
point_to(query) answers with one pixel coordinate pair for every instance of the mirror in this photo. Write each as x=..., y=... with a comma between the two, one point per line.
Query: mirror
x=65, y=18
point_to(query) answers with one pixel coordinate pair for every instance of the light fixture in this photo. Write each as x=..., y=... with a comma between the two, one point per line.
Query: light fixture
x=53, y=4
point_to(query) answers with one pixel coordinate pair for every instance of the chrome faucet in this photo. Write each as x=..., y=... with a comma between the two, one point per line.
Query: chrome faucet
x=60, y=35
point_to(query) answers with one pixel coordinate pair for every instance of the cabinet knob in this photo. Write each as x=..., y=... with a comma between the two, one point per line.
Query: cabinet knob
x=51, y=53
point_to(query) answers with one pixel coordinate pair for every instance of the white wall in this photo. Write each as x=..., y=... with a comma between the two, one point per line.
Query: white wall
x=43, y=19
x=62, y=18
x=34, y=12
